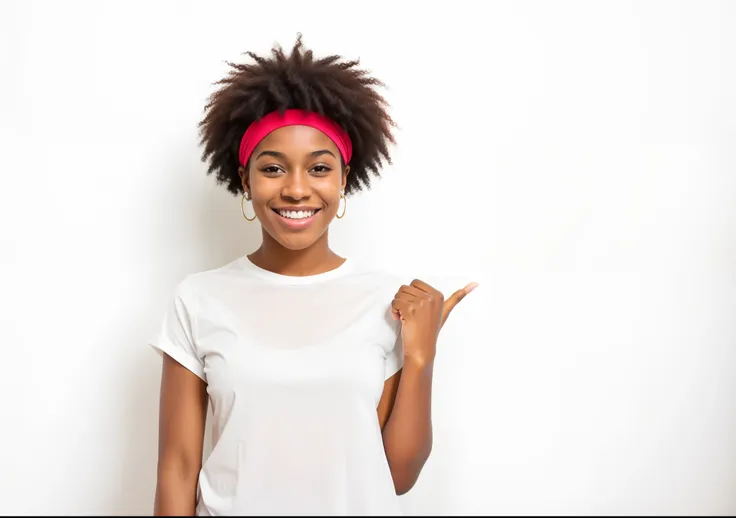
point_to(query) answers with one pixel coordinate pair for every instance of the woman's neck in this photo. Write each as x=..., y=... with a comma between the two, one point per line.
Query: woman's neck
x=316, y=259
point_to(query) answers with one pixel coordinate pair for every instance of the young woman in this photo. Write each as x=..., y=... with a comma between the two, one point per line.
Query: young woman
x=318, y=370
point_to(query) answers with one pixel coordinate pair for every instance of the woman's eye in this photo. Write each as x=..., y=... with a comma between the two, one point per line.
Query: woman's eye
x=271, y=169
x=321, y=169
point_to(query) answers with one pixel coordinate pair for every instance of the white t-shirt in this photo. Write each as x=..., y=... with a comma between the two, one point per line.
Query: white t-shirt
x=295, y=368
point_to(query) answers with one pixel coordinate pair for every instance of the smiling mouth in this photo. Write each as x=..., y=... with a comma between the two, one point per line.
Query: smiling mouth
x=296, y=214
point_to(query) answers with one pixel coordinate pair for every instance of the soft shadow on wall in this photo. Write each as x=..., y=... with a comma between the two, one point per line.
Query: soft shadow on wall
x=207, y=231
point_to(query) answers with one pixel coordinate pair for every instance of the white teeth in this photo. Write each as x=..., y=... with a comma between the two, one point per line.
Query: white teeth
x=293, y=214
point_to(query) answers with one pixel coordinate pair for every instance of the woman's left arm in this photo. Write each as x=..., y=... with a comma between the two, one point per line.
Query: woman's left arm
x=404, y=410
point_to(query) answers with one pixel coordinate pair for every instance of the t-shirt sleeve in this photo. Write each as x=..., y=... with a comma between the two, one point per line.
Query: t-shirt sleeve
x=391, y=330
x=176, y=333
x=394, y=359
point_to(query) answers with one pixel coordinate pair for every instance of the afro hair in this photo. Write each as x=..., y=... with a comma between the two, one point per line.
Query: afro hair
x=330, y=86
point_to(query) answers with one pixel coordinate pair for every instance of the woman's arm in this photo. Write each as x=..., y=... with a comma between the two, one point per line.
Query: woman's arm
x=406, y=422
x=182, y=416
x=405, y=409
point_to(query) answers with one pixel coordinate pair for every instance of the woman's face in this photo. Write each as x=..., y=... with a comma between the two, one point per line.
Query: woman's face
x=294, y=179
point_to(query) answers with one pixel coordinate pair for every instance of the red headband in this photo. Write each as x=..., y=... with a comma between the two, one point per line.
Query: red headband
x=258, y=130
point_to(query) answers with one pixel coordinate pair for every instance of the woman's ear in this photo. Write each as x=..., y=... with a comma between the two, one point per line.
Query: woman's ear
x=244, y=178
x=344, y=178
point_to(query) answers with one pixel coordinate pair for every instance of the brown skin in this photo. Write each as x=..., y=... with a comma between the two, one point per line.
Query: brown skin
x=300, y=166
x=182, y=414
x=307, y=173
x=406, y=416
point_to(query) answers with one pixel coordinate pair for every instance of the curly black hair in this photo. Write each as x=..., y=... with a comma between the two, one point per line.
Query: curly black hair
x=330, y=86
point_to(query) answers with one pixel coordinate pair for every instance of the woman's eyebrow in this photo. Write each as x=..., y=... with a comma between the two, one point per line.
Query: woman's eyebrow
x=277, y=154
x=322, y=152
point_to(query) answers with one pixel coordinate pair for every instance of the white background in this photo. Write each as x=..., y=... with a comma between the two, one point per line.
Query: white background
x=575, y=158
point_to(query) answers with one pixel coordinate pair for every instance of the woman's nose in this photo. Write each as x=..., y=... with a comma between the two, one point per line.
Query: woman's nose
x=296, y=185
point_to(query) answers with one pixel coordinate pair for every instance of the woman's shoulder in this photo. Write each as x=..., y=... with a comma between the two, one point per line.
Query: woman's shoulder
x=375, y=279
x=374, y=273
x=204, y=279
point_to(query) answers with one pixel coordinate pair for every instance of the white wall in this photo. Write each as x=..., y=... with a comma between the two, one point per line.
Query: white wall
x=576, y=158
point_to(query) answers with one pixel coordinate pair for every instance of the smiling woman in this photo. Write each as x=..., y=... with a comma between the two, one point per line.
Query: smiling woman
x=319, y=370
x=297, y=176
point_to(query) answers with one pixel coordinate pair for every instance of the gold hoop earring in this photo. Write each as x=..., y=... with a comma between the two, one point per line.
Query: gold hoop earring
x=345, y=206
x=246, y=197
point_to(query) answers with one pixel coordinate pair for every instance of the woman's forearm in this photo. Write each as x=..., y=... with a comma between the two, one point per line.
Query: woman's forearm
x=407, y=436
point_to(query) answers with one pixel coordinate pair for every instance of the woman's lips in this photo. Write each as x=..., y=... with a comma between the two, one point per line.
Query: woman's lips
x=297, y=223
